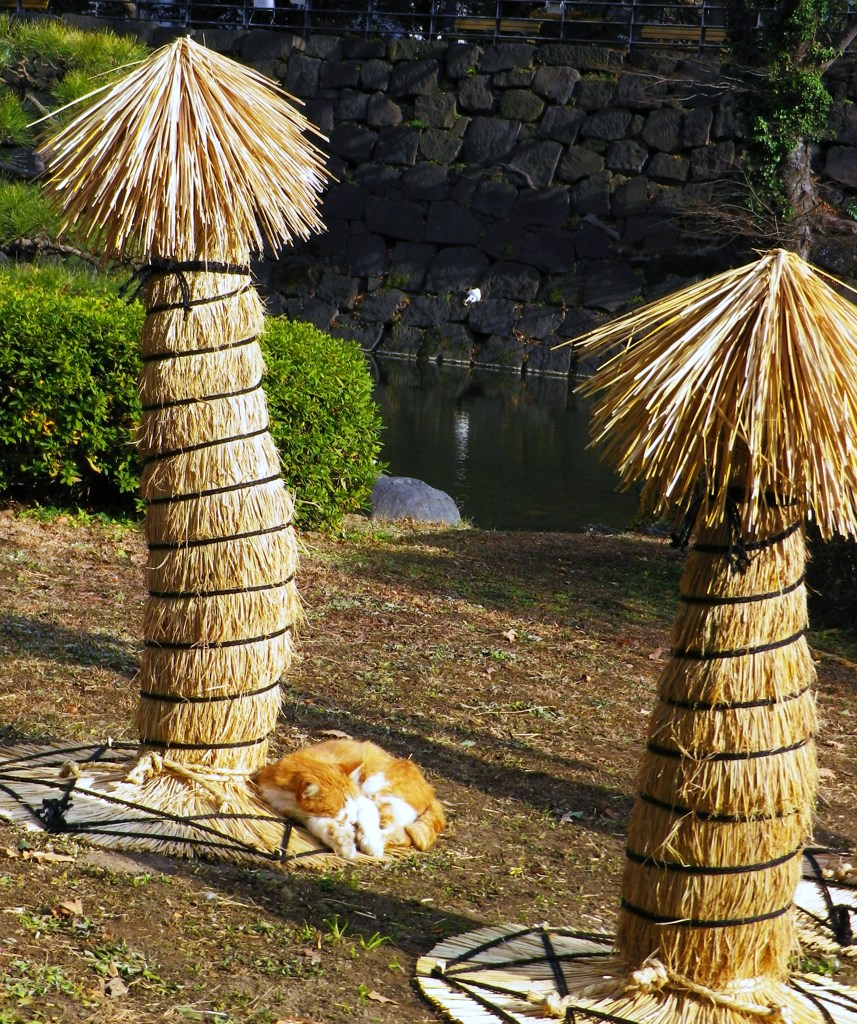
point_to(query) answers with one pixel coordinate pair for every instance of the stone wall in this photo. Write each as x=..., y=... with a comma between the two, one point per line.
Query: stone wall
x=557, y=179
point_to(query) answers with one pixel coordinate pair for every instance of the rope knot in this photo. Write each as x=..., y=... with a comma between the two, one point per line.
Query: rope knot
x=651, y=977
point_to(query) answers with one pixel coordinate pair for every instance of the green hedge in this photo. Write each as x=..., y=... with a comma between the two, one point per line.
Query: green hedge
x=68, y=400
x=323, y=418
x=68, y=394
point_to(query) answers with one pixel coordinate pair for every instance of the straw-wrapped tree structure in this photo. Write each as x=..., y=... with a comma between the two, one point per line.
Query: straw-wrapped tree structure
x=735, y=399
x=189, y=165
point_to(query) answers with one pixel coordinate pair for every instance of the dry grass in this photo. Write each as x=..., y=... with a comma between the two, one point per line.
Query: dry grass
x=517, y=669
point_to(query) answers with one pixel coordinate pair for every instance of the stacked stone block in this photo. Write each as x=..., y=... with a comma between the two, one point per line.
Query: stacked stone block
x=558, y=179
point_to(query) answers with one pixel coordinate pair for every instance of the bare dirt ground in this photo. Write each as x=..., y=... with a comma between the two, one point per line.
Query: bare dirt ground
x=517, y=669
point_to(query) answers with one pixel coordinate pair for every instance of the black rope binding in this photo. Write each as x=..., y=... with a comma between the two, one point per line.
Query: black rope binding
x=159, y=266
x=707, y=870
x=170, y=453
x=693, y=922
x=838, y=915
x=178, y=545
x=738, y=548
x=174, y=402
x=157, y=357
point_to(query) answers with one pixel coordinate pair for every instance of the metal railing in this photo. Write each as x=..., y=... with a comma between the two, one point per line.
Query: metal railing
x=694, y=24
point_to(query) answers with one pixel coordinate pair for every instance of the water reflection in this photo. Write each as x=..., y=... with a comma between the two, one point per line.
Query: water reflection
x=511, y=452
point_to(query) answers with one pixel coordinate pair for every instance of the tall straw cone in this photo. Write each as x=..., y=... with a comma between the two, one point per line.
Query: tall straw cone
x=190, y=164
x=735, y=398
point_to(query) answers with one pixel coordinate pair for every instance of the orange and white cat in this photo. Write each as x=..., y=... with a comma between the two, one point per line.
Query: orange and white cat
x=354, y=795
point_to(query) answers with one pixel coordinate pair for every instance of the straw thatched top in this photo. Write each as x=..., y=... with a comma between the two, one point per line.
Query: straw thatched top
x=748, y=378
x=191, y=156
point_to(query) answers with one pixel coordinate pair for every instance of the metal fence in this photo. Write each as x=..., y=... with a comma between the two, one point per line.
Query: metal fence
x=694, y=24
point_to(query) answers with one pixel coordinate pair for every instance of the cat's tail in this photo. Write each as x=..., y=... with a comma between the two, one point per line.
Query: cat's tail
x=424, y=830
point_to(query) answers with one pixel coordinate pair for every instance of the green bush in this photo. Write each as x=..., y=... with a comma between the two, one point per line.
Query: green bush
x=323, y=418
x=68, y=399
x=68, y=396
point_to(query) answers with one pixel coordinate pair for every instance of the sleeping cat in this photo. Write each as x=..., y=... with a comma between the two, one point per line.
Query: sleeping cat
x=354, y=795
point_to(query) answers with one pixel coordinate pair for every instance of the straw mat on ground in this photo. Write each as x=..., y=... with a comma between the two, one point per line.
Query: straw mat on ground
x=516, y=975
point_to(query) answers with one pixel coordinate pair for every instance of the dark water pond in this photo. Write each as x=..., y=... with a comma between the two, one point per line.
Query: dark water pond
x=511, y=452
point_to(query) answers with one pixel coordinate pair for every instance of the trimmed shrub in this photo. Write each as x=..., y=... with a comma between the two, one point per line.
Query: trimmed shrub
x=69, y=361
x=68, y=392
x=323, y=418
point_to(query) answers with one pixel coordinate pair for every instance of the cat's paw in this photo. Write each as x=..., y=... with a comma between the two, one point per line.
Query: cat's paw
x=343, y=843
x=340, y=839
x=421, y=835
x=370, y=842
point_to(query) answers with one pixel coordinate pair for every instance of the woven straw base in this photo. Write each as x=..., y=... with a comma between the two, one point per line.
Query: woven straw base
x=826, y=905
x=106, y=794
x=512, y=975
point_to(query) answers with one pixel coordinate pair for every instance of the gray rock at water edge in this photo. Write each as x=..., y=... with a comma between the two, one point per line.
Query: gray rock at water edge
x=403, y=497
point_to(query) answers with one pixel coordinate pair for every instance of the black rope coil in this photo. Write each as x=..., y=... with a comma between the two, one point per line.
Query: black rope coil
x=179, y=545
x=724, y=755
x=715, y=600
x=179, y=595
x=696, y=654
x=157, y=357
x=733, y=705
x=160, y=266
x=646, y=860
x=174, y=402
x=174, y=698
x=172, y=452
x=167, y=498
x=197, y=645
x=692, y=922
x=714, y=817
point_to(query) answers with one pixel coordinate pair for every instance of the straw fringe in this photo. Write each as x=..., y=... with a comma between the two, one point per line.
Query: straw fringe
x=230, y=417
x=224, y=464
x=162, y=381
x=771, y=727
x=218, y=618
x=761, y=786
x=684, y=839
x=761, y=359
x=738, y=679
x=217, y=165
x=262, y=559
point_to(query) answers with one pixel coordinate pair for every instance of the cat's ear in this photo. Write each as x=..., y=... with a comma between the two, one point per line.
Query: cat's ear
x=352, y=767
x=310, y=789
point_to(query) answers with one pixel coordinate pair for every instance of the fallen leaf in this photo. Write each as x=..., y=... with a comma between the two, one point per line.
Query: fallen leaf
x=376, y=997
x=826, y=773
x=570, y=816
x=657, y=654
x=115, y=988
x=511, y=635
x=68, y=908
x=335, y=734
